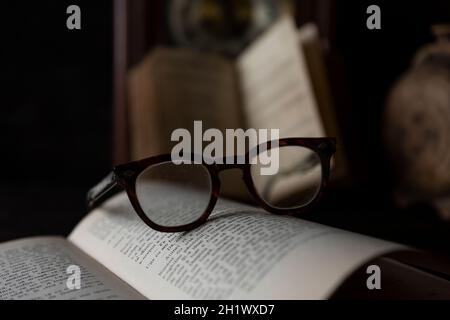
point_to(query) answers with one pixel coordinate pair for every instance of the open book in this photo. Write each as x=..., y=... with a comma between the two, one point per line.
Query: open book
x=278, y=82
x=240, y=253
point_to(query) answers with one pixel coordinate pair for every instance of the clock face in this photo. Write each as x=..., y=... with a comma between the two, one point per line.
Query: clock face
x=224, y=26
x=418, y=130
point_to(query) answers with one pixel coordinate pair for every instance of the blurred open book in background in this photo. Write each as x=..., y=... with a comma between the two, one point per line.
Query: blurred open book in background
x=278, y=82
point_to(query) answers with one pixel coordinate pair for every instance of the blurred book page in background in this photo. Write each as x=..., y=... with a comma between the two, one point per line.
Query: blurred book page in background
x=275, y=85
x=174, y=87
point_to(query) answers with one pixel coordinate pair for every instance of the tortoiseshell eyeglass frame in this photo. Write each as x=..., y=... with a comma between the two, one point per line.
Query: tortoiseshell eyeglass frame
x=123, y=177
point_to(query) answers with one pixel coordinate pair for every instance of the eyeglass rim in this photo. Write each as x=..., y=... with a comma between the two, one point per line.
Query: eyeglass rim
x=124, y=176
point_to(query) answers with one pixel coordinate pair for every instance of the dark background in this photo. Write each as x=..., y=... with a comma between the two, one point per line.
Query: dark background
x=56, y=114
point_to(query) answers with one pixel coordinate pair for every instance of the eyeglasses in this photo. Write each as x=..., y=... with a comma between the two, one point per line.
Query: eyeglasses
x=171, y=197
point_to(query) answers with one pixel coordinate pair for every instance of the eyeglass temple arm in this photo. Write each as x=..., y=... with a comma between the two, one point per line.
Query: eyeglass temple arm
x=108, y=186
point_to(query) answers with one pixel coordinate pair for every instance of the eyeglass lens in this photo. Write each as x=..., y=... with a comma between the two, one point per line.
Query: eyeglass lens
x=174, y=195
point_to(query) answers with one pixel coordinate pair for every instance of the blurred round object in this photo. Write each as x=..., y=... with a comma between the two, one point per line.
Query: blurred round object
x=417, y=123
x=224, y=26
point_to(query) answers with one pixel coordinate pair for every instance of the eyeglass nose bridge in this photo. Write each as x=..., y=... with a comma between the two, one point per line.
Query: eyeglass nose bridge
x=232, y=162
x=224, y=167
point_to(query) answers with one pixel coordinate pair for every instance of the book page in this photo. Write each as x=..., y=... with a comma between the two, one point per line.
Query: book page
x=277, y=93
x=172, y=88
x=242, y=252
x=36, y=268
x=143, y=124
x=275, y=86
